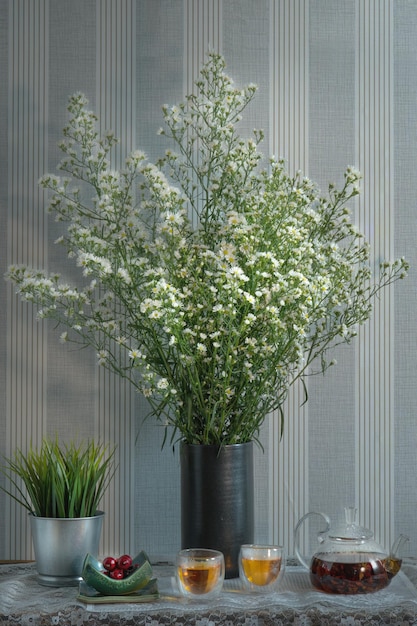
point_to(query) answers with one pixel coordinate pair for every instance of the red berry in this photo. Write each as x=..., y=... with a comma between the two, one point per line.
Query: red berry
x=124, y=562
x=109, y=563
x=117, y=574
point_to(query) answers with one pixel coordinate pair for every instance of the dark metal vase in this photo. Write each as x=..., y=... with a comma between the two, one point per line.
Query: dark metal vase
x=217, y=503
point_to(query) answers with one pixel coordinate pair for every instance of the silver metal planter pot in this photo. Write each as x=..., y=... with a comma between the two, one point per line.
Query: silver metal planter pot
x=60, y=546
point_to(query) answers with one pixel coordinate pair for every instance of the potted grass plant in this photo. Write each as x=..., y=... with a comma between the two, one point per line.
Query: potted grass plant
x=61, y=486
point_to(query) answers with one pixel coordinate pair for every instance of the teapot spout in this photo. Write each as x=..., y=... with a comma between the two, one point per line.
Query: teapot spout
x=394, y=559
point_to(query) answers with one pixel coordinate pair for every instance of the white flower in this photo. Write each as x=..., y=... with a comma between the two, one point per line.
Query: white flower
x=228, y=252
x=102, y=357
x=123, y=273
x=238, y=273
x=135, y=354
x=249, y=297
x=211, y=275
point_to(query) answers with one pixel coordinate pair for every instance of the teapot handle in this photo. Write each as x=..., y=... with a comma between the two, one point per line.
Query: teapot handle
x=320, y=537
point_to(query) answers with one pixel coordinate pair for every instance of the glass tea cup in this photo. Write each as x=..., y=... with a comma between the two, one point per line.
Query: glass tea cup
x=200, y=573
x=261, y=567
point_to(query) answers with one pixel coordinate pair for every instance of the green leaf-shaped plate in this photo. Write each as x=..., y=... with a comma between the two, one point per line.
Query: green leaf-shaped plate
x=94, y=576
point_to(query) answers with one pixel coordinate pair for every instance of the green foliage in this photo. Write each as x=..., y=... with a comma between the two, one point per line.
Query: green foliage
x=212, y=282
x=60, y=481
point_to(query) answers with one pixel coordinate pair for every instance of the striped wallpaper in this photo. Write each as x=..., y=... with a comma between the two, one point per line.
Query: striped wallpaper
x=288, y=76
x=375, y=366
x=328, y=97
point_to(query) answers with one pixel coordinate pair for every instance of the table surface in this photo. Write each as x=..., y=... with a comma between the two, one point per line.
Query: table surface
x=25, y=602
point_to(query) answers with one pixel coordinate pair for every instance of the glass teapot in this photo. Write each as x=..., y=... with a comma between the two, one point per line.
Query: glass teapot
x=349, y=560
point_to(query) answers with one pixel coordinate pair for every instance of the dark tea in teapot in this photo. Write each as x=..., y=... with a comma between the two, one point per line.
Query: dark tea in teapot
x=352, y=572
x=349, y=559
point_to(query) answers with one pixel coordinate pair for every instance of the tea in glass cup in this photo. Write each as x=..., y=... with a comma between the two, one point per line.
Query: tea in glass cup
x=261, y=567
x=200, y=573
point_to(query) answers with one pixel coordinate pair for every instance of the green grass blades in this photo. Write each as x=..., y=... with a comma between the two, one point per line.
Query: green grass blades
x=60, y=480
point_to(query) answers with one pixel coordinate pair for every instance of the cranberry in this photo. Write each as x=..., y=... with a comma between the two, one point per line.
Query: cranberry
x=117, y=574
x=124, y=562
x=109, y=563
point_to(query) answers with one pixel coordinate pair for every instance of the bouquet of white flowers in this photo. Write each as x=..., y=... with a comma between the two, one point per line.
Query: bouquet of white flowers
x=211, y=282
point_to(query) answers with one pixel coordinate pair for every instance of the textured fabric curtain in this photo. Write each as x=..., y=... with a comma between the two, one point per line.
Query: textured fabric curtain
x=337, y=87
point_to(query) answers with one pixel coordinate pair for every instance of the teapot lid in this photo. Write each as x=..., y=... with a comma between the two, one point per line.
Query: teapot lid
x=351, y=531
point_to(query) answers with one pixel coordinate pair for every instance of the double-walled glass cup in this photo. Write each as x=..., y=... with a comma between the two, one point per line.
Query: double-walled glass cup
x=199, y=573
x=261, y=567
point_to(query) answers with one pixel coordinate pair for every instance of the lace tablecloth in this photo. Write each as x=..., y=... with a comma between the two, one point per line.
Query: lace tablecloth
x=23, y=601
